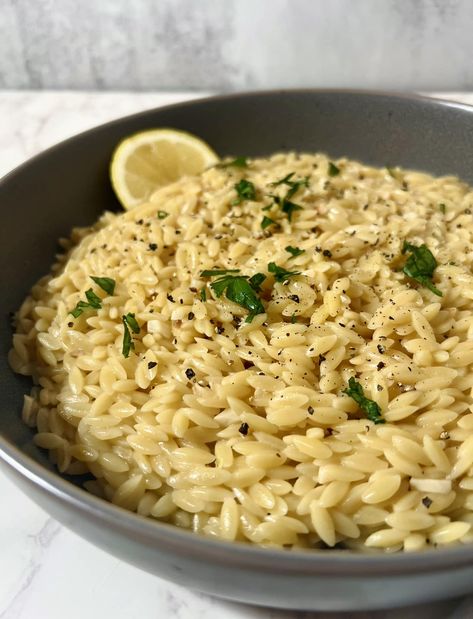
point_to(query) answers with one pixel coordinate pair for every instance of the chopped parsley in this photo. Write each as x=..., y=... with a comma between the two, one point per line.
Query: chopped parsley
x=245, y=191
x=256, y=280
x=162, y=214
x=281, y=274
x=294, y=251
x=106, y=283
x=293, y=319
x=129, y=322
x=442, y=208
x=420, y=265
x=203, y=294
x=284, y=181
x=333, y=170
x=93, y=302
x=369, y=407
x=240, y=290
x=238, y=162
x=287, y=206
x=266, y=222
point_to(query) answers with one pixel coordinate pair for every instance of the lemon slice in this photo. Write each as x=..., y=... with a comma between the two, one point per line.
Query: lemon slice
x=149, y=160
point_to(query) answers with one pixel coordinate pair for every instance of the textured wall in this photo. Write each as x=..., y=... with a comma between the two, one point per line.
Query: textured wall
x=236, y=44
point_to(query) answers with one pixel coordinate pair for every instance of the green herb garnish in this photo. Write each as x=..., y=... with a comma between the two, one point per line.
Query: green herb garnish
x=245, y=191
x=333, y=170
x=391, y=172
x=79, y=308
x=266, y=222
x=370, y=407
x=203, y=294
x=293, y=319
x=162, y=214
x=283, y=181
x=281, y=274
x=213, y=272
x=129, y=322
x=285, y=203
x=239, y=162
x=294, y=251
x=420, y=265
x=240, y=290
x=442, y=208
x=256, y=280
x=106, y=283
x=93, y=302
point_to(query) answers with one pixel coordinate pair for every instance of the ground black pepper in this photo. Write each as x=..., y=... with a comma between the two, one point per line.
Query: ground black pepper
x=244, y=429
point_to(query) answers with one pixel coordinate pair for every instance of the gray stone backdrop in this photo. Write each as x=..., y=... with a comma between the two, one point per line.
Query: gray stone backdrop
x=236, y=44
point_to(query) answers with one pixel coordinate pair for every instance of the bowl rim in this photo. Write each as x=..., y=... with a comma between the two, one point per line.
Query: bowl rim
x=159, y=534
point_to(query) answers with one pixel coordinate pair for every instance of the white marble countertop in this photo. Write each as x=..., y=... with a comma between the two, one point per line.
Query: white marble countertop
x=47, y=572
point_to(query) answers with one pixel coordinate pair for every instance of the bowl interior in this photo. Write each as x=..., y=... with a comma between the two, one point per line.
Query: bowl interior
x=68, y=185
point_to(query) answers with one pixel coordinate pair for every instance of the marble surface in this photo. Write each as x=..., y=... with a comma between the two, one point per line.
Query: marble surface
x=47, y=572
x=236, y=44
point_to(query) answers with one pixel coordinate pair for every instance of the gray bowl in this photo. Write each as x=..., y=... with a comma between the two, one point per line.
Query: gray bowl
x=68, y=185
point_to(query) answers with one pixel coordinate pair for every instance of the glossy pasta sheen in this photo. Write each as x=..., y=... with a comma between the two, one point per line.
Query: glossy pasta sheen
x=241, y=430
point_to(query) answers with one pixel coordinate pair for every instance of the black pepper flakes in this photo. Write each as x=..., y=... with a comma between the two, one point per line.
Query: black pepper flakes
x=380, y=365
x=381, y=349
x=327, y=253
x=220, y=329
x=151, y=365
x=379, y=387
x=190, y=316
x=321, y=359
x=190, y=373
x=169, y=297
x=70, y=324
x=295, y=298
x=310, y=410
x=153, y=246
x=427, y=502
x=243, y=429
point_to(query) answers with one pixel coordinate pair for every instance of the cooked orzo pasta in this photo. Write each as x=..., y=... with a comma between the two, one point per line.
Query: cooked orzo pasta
x=278, y=351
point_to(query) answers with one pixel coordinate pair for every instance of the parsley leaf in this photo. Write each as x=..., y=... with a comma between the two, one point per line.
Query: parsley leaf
x=79, y=308
x=289, y=208
x=129, y=321
x=420, y=265
x=283, y=181
x=285, y=203
x=162, y=214
x=333, y=170
x=239, y=162
x=245, y=191
x=294, y=251
x=256, y=280
x=238, y=289
x=213, y=272
x=266, y=222
x=132, y=323
x=203, y=294
x=370, y=407
x=281, y=274
x=93, y=302
x=106, y=283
